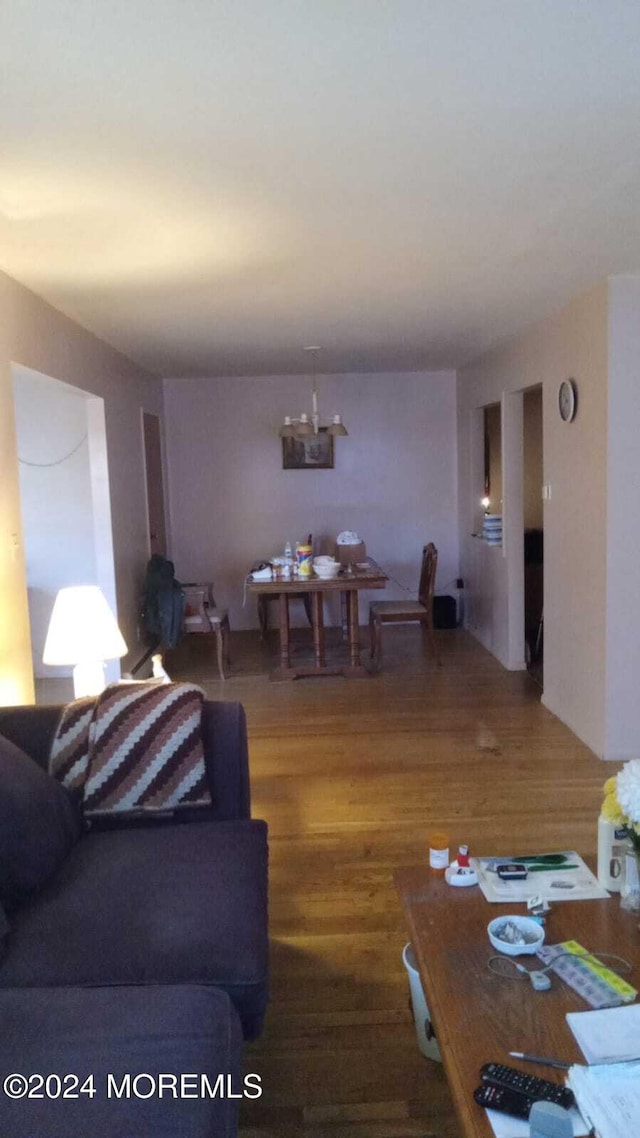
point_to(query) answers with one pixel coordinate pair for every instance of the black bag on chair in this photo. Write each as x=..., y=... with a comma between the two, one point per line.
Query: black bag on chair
x=163, y=605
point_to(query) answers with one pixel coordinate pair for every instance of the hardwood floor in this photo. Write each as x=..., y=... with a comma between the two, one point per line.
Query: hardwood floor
x=351, y=775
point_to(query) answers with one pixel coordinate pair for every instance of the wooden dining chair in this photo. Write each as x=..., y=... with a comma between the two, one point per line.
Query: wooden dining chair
x=401, y=612
x=201, y=615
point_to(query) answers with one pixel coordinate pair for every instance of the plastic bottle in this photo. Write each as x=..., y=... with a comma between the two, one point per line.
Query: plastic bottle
x=304, y=554
x=288, y=551
x=438, y=851
x=612, y=847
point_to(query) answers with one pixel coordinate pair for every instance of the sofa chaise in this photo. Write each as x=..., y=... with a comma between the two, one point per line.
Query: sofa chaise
x=143, y=942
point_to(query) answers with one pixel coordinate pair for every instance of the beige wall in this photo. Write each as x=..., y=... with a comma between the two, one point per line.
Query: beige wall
x=572, y=342
x=623, y=521
x=37, y=336
x=393, y=482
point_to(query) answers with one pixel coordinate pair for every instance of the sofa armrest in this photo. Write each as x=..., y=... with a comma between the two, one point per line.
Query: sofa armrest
x=224, y=730
x=31, y=728
x=224, y=740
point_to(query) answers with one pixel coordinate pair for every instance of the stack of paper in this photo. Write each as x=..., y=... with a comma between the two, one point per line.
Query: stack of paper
x=610, y=1035
x=608, y=1097
x=561, y=876
x=608, y=1093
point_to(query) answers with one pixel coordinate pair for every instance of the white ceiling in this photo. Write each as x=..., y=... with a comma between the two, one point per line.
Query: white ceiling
x=210, y=185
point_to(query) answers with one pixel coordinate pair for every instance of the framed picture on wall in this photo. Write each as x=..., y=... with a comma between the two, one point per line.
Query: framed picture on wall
x=313, y=452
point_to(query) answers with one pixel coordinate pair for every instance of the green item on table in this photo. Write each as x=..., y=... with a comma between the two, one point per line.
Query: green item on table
x=550, y=868
x=536, y=863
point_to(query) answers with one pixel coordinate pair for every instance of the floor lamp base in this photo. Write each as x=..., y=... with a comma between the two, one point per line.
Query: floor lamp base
x=88, y=679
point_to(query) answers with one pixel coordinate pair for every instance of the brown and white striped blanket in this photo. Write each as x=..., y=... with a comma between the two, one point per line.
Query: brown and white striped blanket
x=134, y=747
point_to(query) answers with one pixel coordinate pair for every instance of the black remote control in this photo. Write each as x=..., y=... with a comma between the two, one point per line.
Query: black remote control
x=504, y=1100
x=529, y=1085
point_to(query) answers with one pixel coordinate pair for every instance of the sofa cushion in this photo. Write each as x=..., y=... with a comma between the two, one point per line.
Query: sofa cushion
x=127, y=1031
x=4, y=929
x=180, y=904
x=39, y=825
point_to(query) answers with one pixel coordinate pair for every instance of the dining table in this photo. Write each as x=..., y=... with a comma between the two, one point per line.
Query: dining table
x=348, y=583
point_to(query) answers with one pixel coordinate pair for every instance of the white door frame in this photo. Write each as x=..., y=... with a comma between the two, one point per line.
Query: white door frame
x=102, y=531
x=513, y=523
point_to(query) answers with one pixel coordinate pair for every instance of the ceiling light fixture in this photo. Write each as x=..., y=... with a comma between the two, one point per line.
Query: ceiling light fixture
x=304, y=425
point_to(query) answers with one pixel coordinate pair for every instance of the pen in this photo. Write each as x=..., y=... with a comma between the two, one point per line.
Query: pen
x=540, y=1059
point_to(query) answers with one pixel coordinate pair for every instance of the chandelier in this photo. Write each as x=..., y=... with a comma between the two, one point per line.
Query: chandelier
x=305, y=424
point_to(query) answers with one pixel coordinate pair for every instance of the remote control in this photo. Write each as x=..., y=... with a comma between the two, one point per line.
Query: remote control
x=529, y=1085
x=503, y=1099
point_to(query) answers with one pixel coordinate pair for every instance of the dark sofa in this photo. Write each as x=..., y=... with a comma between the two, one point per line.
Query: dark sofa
x=152, y=926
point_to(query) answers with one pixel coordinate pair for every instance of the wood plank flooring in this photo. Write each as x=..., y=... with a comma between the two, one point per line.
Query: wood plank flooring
x=351, y=775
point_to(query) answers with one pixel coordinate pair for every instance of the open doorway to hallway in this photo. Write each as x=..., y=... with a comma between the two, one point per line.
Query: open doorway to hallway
x=533, y=532
x=65, y=505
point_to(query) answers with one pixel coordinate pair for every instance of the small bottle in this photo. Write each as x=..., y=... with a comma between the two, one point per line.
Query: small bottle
x=612, y=847
x=463, y=857
x=288, y=551
x=438, y=851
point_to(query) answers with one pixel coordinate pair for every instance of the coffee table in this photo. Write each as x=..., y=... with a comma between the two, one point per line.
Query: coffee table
x=479, y=1017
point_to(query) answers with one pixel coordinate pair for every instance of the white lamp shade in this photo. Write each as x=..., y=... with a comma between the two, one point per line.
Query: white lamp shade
x=82, y=628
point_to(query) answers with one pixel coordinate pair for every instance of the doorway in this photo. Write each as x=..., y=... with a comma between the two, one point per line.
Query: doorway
x=157, y=533
x=492, y=500
x=65, y=506
x=533, y=532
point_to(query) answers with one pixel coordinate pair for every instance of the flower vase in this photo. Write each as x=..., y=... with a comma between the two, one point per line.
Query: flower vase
x=630, y=891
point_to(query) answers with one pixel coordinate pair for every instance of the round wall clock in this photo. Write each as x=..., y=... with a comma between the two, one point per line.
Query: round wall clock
x=567, y=400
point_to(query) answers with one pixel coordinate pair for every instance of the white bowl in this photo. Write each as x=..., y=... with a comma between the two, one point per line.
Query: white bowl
x=326, y=567
x=531, y=932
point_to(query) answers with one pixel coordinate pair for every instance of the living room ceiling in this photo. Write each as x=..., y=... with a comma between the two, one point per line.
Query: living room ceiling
x=211, y=185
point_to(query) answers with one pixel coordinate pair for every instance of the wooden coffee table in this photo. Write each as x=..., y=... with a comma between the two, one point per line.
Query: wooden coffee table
x=479, y=1017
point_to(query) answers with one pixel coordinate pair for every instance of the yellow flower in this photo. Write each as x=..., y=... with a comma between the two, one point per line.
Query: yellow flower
x=610, y=785
x=611, y=808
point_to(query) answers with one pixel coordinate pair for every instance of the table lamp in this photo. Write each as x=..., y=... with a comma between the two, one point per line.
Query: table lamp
x=83, y=632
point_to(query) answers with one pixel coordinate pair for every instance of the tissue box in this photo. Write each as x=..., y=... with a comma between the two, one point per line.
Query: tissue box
x=350, y=554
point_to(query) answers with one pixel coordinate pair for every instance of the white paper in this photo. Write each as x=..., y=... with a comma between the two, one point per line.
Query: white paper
x=555, y=884
x=608, y=1035
x=505, y=1126
x=609, y=1097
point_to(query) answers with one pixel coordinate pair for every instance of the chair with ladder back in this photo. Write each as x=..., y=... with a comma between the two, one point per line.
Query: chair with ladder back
x=402, y=612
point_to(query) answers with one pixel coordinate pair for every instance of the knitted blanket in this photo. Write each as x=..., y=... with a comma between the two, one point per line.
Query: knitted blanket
x=136, y=747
